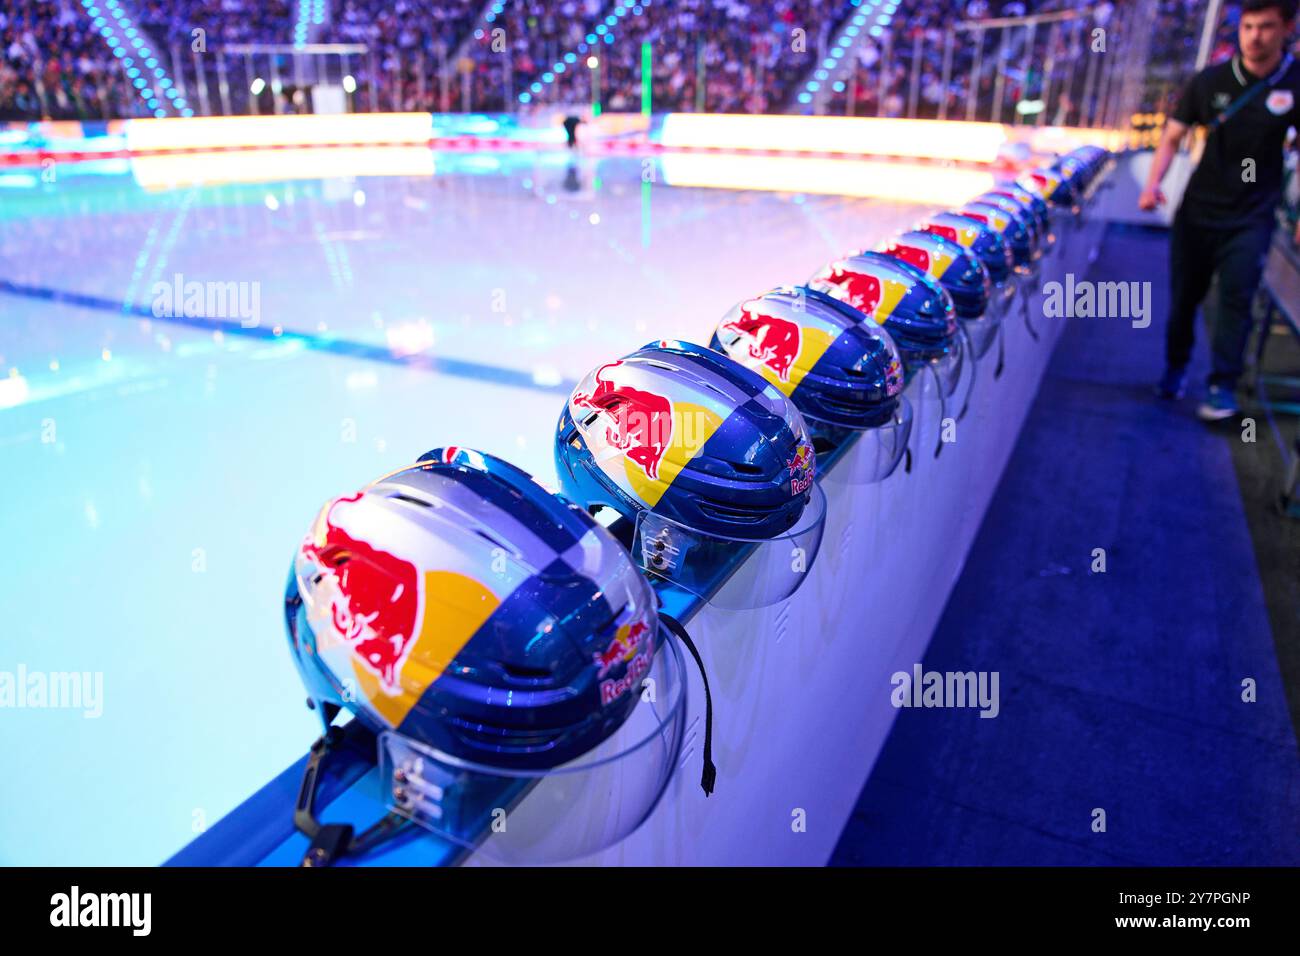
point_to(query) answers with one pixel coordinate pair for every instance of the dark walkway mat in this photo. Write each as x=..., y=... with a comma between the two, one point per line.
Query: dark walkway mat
x=1121, y=691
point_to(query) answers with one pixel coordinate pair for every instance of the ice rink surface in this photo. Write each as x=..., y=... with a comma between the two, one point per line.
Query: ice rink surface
x=158, y=474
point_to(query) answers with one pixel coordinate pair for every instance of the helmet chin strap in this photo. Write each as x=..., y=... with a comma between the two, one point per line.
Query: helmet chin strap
x=329, y=841
x=710, y=773
x=1002, y=352
x=1033, y=333
x=943, y=404
x=968, y=358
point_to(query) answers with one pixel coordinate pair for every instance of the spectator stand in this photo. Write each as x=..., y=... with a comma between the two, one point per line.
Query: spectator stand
x=1041, y=68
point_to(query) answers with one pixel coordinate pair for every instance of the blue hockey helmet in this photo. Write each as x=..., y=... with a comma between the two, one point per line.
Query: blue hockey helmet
x=1012, y=229
x=986, y=243
x=688, y=434
x=1023, y=214
x=958, y=270
x=1033, y=203
x=836, y=368
x=914, y=309
x=460, y=604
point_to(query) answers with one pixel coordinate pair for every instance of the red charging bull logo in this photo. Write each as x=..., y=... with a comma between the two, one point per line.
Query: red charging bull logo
x=634, y=649
x=863, y=290
x=773, y=341
x=995, y=221
x=802, y=468
x=948, y=232
x=912, y=255
x=640, y=423
x=375, y=605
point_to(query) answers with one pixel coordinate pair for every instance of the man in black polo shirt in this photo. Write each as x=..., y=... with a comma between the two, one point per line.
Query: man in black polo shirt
x=1226, y=218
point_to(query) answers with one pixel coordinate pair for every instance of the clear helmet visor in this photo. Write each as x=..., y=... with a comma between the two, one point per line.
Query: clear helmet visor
x=731, y=572
x=558, y=814
x=982, y=333
x=875, y=453
x=948, y=366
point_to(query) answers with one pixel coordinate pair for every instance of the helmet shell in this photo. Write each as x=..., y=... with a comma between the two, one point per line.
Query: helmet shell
x=1050, y=184
x=835, y=367
x=1010, y=227
x=958, y=270
x=1022, y=213
x=987, y=245
x=688, y=433
x=460, y=604
x=913, y=307
x=1032, y=202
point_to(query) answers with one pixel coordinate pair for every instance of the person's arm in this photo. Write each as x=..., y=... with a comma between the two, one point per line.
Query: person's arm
x=1170, y=140
x=1186, y=113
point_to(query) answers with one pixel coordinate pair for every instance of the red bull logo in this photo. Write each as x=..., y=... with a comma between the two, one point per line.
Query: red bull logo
x=995, y=221
x=912, y=255
x=894, y=377
x=773, y=341
x=632, y=648
x=375, y=604
x=639, y=423
x=962, y=236
x=862, y=290
x=802, y=468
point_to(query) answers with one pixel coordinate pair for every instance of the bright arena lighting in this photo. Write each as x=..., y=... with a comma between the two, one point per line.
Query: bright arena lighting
x=212, y=132
x=274, y=165
x=914, y=139
x=877, y=179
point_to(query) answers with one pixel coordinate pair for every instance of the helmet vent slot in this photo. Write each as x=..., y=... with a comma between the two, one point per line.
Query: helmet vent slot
x=409, y=500
x=523, y=672
x=726, y=512
x=491, y=540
